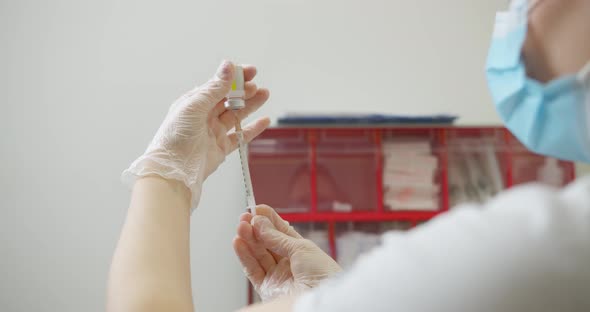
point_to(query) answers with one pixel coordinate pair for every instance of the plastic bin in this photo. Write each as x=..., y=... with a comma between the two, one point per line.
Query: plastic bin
x=346, y=167
x=477, y=164
x=356, y=238
x=530, y=167
x=317, y=232
x=411, y=169
x=280, y=167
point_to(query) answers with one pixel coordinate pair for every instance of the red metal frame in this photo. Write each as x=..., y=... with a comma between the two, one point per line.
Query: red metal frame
x=360, y=216
x=508, y=158
x=332, y=239
x=312, y=139
x=250, y=293
x=379, y=174
x=442, y=154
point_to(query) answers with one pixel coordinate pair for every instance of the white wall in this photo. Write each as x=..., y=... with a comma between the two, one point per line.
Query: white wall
x=84, y=85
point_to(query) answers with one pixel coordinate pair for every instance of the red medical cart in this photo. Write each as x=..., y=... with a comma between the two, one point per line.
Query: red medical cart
x=333, y=179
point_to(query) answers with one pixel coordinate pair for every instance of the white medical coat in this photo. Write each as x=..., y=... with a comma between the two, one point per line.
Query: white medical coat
x=528, y=249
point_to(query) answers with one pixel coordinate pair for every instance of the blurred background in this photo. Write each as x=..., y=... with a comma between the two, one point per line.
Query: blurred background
x=85, y=84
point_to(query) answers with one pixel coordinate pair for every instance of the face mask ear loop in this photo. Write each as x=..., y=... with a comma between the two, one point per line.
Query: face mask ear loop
x=584, y=75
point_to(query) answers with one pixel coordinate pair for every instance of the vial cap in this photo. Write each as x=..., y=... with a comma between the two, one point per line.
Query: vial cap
x=235, y=103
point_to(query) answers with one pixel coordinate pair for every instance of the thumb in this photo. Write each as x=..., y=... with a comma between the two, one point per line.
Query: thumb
x=273, y=239
x=214, y=90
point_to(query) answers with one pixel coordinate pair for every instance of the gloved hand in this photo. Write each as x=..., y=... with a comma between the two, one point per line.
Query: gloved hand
x=194, y=138
x=276, y=259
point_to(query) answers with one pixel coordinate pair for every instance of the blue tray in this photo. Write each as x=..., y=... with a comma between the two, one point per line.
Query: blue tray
x=372, y=119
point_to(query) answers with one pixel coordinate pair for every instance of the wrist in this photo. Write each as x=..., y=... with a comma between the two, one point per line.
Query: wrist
x=173, y=191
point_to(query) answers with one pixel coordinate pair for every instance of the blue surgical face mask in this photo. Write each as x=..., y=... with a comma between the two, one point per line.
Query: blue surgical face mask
x=551, y=119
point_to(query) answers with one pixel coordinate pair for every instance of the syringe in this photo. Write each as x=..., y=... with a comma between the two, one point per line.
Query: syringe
x=243, y=151
x=235, y=101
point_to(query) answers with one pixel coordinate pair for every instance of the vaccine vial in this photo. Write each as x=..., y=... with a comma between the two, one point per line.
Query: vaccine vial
x=235, y=97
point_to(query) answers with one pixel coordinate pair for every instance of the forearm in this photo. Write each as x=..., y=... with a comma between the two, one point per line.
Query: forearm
x=284, y=304
x=151, y=269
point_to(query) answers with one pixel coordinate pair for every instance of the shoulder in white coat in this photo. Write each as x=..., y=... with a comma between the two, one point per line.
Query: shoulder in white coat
x=528, y=249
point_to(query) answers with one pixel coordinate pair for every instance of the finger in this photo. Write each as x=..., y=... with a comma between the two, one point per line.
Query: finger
x=274, y=240
x=250, y=132
x=214, y=90
x=258, y=250
x=278, y=282
x=277, y=257
x=253, y=104
x=195, y=89
x=252, y=269
x=249, y=72
x=276, y=220
x=244, y=231
x=220, y=132
x=250, y=89
x=246, y=217
x=284, y=266
x=218, y=109
x=280, y=274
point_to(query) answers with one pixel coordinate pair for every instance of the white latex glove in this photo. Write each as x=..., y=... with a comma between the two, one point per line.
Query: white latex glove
x=194, y=138
x=276, y=259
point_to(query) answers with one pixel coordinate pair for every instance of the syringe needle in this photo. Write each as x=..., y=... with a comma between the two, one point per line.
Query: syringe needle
x=238, y=123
